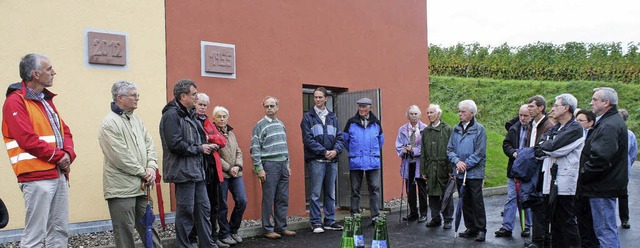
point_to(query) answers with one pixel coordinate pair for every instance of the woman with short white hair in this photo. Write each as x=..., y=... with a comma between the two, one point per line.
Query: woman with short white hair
x=231, y=161
x=408, y=143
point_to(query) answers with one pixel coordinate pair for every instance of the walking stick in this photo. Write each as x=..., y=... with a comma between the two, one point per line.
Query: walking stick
x=401, y=196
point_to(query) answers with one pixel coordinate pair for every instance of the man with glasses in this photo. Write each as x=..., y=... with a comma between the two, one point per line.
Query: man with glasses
x=270, y=155
x=185, y=144
x=561, y=147
x=130, y=160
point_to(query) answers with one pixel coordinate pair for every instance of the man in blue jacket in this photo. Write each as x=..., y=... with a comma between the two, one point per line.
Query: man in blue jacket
x=323, y=142
x=363, y=138
x=467, y=150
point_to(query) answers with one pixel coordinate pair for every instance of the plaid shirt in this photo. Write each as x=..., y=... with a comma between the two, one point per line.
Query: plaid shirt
x=54, y=120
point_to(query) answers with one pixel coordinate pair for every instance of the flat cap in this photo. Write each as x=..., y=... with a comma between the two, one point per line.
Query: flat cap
x=364, y=101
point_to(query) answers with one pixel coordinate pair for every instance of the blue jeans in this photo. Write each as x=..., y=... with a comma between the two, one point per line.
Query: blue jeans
x=231, y=226
x=511, y=207
x=603, y=211
x=323, y=178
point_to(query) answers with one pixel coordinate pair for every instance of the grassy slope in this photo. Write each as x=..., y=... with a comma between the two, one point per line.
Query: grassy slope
x=499, y=100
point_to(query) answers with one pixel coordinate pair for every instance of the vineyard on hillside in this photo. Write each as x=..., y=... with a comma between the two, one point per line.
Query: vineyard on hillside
x=608, y=62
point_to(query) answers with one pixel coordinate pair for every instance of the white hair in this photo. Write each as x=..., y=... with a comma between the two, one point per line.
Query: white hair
x=414, y=107
x=569, y=100
x=436, y=107
x=220, y=109
x=204, y=97
x=470, y=104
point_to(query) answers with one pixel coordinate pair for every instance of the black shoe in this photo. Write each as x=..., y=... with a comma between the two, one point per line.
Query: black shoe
x=373, y=221
x=447, y=225
x=433, y=223
x=468, y=234
x=530, y=245
x=526, y=233
x=411, y=217
x=422, y=219
x=626, y=225
x=503, y=233
x=481, y=236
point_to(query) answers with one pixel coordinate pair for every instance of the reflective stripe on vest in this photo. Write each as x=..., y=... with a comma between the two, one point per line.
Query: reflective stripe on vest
x=21, y=161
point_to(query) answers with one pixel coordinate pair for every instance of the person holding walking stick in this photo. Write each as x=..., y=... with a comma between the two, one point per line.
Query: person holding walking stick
x=408, y=144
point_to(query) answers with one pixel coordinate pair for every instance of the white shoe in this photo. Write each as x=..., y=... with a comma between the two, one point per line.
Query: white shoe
x=236, y=237
x=317, y=229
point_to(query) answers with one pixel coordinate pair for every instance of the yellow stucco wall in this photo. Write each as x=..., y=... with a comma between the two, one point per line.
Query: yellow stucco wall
x=57, y=29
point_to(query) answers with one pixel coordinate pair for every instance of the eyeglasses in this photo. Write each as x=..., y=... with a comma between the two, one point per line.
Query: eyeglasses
x=270, y=106
x=133, y=95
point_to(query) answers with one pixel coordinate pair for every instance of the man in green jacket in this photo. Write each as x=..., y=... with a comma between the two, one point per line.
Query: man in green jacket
x=436, y=167
x=130, y=160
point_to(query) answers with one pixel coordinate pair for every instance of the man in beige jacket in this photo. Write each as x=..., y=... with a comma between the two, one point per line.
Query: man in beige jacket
x=130, y=160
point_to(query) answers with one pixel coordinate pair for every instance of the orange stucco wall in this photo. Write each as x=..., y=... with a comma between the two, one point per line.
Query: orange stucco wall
x=281, y=45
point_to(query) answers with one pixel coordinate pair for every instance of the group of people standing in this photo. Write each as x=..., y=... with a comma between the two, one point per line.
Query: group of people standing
x=569, y=169
x=201, y=157
x=433, y=156
x=582, y=160
x=566, y=169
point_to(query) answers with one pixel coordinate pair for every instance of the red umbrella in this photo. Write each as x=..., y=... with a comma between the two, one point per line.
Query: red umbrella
x=160, y=203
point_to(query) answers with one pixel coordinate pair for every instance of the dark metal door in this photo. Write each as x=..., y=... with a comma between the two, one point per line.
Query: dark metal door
x=346, y=108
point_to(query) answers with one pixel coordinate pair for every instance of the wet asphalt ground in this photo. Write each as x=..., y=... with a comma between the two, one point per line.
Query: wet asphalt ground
x=416, y=234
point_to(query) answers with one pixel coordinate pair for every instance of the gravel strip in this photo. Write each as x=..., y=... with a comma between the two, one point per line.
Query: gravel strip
x=106, y=238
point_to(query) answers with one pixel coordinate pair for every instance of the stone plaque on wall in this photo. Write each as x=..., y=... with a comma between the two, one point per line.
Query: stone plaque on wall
x=106, y=48
x=219, y=59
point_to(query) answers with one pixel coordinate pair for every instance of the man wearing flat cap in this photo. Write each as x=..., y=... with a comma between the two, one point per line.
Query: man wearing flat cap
x=363, y=138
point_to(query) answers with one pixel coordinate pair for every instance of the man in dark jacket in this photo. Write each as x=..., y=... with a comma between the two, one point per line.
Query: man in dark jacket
x=539, y=125
x=516, y=139
x=603, y=172
x=184, y=146
x=323, y=142
x=436, y=167
x=363, y=138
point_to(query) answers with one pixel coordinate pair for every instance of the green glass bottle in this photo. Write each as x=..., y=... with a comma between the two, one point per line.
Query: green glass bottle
x=378, y=235
x=358, y=238
x=347, y=233
x=385, y=234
